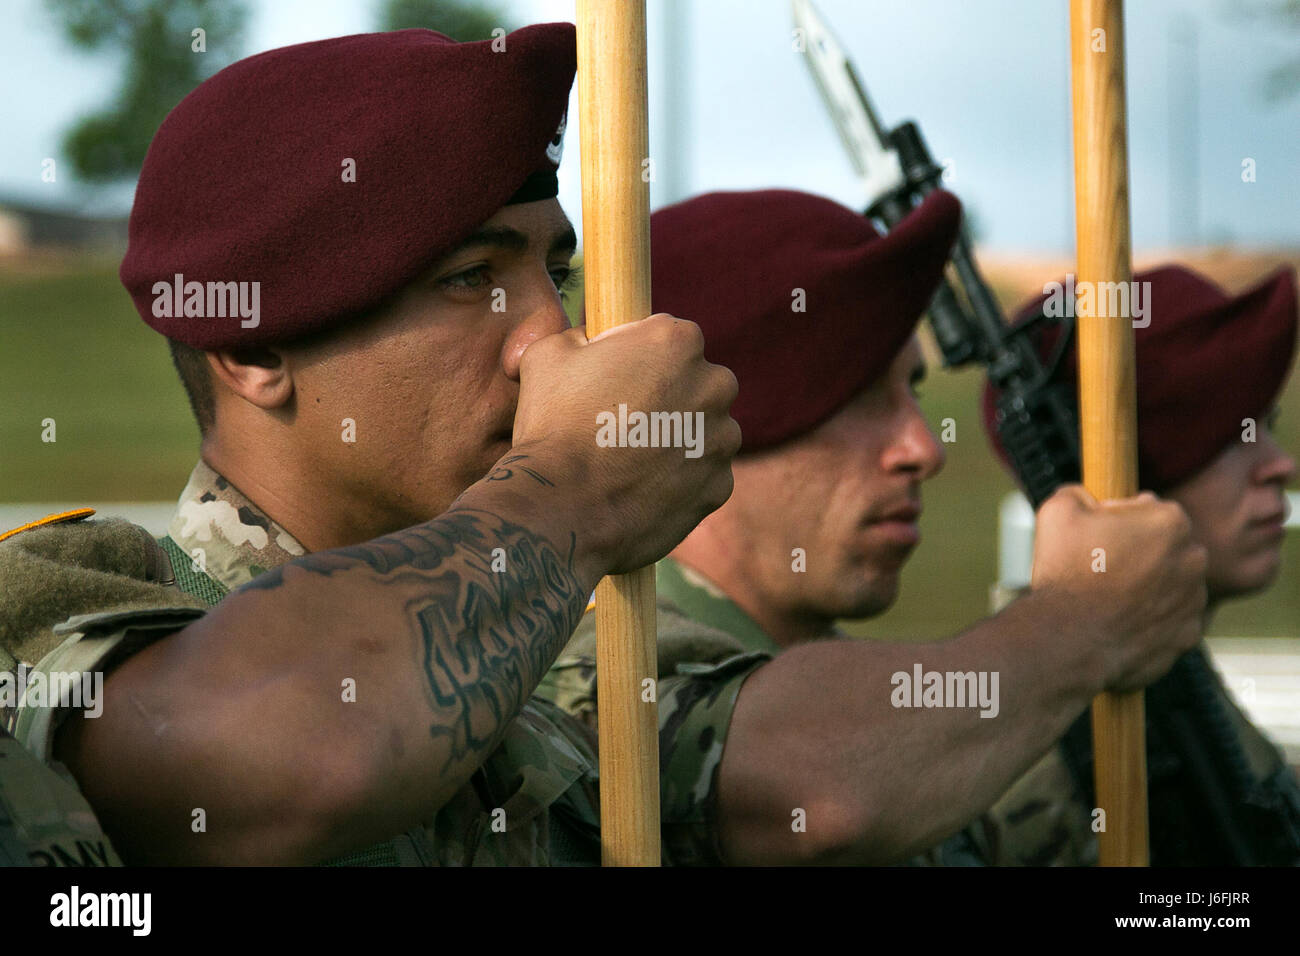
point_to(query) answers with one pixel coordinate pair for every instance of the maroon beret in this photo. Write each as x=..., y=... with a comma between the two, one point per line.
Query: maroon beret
x=732, y=262
x=245, y=180
x=1205, y=361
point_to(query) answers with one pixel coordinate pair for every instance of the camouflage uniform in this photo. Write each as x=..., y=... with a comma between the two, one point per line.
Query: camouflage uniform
x=1042, y=820
x=543, y=774
x=44, y=819
x=707, y=647
x=702, y=664
x=1045, y=819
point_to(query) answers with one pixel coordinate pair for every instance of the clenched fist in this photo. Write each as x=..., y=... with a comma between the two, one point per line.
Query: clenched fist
x=642, y=422
x=1137, y=572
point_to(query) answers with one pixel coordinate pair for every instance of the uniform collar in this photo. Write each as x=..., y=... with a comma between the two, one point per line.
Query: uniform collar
x=238, y=541
x=230, y=538
x=703, y=601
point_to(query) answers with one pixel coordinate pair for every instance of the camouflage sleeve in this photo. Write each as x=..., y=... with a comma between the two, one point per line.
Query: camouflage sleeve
x=695, y=708
x=570, y=684
x=44, y=819
x=1043, y=820
x=37, y=794
x=71, y=677
x=701, y=671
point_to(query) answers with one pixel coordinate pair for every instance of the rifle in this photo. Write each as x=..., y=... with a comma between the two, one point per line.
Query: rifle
x=1208, y=806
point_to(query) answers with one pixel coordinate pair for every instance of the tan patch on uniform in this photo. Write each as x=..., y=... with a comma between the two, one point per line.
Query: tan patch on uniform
x=286, y=541
x=201, y=517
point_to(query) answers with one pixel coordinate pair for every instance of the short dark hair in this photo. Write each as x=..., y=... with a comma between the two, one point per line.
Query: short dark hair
x=196, y=377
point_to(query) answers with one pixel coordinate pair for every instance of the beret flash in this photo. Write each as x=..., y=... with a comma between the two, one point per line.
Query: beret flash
x=326, y=176
x=799, y=296
x=1205, y=361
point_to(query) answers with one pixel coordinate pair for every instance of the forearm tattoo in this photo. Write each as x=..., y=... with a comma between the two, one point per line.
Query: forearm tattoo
x=488, y=622
x=488, y=637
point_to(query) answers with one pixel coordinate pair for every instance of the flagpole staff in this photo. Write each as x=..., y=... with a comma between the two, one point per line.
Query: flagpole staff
x=616, y=260
x=1107, y=393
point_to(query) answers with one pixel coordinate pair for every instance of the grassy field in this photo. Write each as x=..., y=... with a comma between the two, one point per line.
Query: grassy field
x=73, y=349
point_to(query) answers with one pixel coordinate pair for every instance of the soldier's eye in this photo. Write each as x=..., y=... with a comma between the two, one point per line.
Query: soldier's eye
x=470, y=279
x=568, y=281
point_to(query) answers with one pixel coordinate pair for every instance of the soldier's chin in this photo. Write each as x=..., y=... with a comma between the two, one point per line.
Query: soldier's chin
x=876, y=596
x=1249, y=577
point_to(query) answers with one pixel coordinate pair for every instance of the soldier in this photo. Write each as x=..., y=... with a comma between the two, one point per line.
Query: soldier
x=1210, y=369
x=815, y=313
x=401, y=508
x=402, y=475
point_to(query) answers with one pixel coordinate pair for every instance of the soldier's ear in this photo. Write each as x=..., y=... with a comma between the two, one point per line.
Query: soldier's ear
x=257, y=374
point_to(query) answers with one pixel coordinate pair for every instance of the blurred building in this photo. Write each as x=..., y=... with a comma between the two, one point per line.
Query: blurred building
x=26, y=227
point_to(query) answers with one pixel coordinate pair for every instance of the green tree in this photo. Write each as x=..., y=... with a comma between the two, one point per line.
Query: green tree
x=1283, y=80
x=162, y=65
x=1279, y=18
x=458, y=19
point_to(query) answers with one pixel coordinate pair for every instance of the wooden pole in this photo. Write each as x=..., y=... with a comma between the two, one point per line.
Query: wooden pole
x=616, y=261
x=1107, y=394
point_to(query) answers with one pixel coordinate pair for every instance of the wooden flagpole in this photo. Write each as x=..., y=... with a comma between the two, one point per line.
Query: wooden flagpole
x=1107, y=393
x=612, y=107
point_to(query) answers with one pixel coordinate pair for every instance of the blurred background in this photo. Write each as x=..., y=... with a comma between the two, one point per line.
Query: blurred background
x=1214, y=92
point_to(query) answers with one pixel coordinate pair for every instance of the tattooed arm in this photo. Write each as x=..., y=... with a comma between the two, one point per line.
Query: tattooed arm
x=242, y=713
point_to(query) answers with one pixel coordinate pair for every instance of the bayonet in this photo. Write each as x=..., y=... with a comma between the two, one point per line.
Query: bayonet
x=876, y=160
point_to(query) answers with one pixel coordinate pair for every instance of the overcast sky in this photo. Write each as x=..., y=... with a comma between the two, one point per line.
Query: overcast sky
x=988, y=81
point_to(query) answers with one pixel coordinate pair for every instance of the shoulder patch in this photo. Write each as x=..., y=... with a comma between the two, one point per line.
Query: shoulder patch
x=60, y=570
